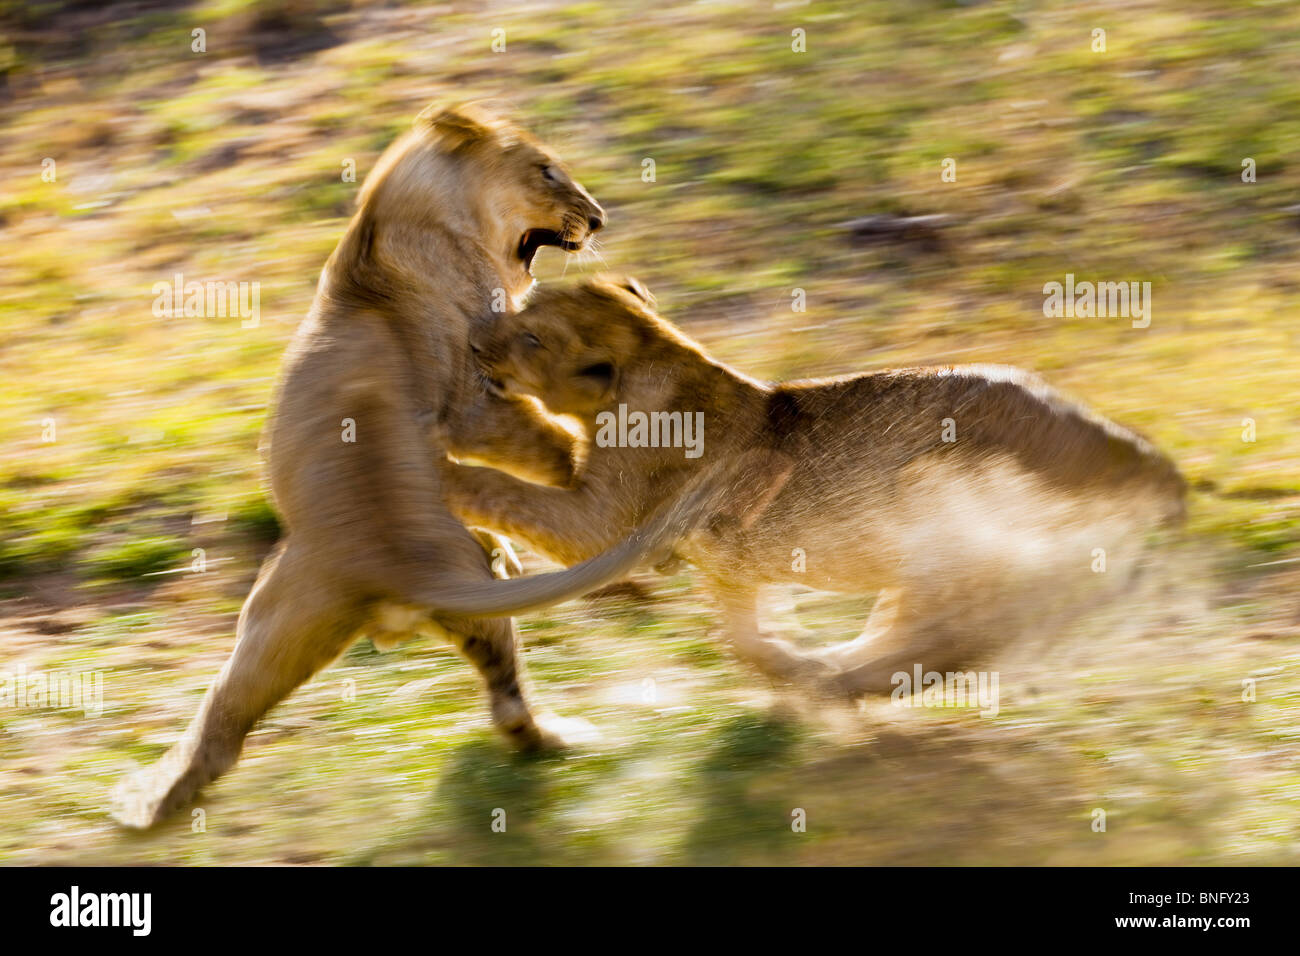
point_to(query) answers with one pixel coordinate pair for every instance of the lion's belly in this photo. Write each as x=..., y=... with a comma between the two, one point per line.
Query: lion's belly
x=393, y=623
x=846, y=556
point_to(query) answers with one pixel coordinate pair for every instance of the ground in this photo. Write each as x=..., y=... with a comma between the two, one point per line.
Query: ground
x=1122, y=164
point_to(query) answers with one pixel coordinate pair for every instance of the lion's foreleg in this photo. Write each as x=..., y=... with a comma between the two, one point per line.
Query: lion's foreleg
x=518, y=435
x=566, y=525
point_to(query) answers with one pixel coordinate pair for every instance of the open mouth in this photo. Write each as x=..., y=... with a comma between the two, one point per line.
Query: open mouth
x=534, y=239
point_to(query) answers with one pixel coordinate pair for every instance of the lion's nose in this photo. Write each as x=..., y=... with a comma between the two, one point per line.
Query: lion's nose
x=595, y=221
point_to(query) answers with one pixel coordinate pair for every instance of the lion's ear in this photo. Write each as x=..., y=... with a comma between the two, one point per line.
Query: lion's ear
x=637, y=289
x=603, y=284
x=456, y=126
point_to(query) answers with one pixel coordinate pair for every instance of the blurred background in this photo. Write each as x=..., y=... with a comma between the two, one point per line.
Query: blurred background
x=779, y=161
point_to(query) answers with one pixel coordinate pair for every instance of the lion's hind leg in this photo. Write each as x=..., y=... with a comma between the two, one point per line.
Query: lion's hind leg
x=491, y=645
x=875, y=636
x=291, y=626
x=910, y=632
x=777, y=658
x=897, y=637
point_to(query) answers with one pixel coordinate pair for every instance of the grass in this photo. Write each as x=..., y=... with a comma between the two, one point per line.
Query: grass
x=1122, y=165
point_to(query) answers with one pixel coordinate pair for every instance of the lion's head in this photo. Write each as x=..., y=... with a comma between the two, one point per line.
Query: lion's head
x=570, y=345
x=467, y=172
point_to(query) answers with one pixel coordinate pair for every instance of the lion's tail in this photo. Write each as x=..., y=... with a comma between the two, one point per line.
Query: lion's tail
x=496, y=598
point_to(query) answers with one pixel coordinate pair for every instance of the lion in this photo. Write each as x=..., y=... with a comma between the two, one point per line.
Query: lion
x=942, y=490
x=377, y=389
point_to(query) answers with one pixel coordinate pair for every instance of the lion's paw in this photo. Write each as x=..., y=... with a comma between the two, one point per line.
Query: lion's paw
x=566, y=733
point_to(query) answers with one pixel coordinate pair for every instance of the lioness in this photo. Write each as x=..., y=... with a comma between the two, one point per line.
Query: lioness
x=926, y=483
x=376, y=389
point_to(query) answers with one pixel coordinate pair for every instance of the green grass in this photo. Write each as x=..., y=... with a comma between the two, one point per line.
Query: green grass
x=1123, y=165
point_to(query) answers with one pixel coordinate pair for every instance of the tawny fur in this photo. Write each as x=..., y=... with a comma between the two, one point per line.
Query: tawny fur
x=436, y=251
x=853, y=472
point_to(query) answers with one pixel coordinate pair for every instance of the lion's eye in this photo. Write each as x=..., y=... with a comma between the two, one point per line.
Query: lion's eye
x=532, y=341
x=548, y=173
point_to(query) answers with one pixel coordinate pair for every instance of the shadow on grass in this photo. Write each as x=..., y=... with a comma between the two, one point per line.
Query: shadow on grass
x=915, y=793
x=539, y=798
x=733, y=821
x=483, y=785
